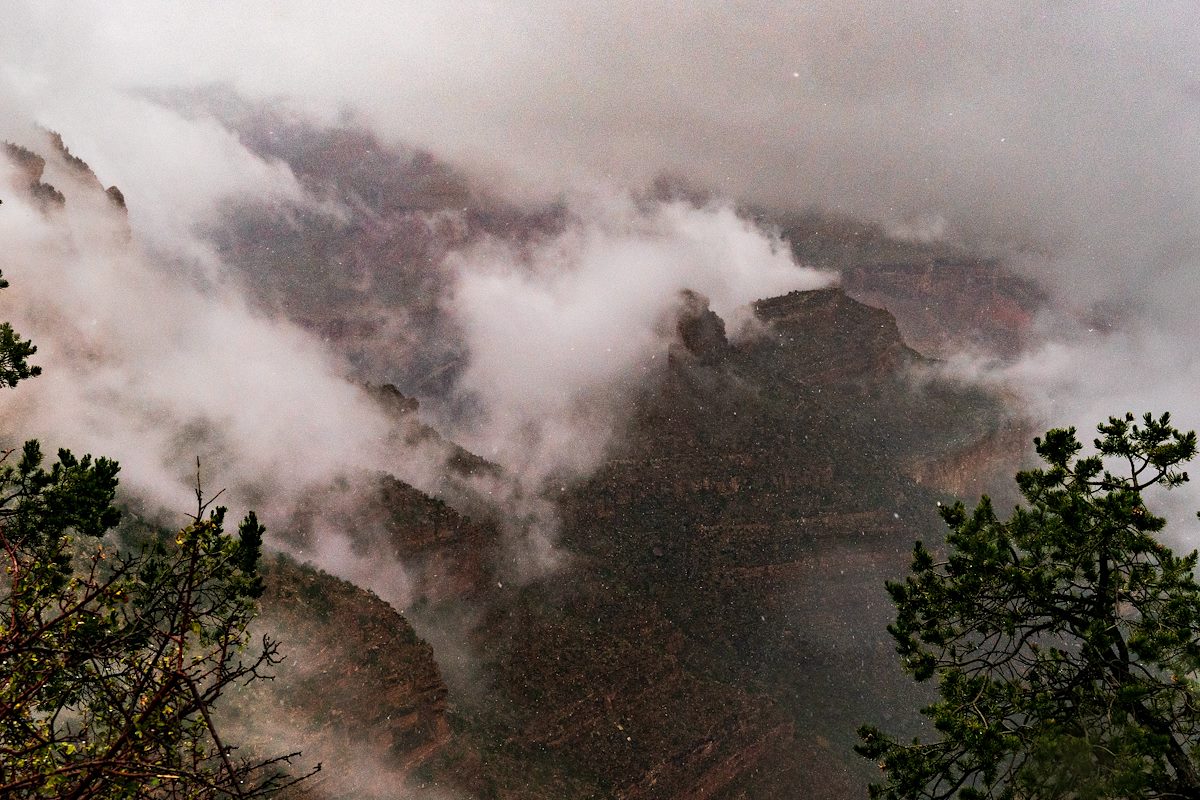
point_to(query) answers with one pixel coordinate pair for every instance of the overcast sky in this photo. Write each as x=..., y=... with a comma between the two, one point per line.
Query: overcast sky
x=1060, y=133
x=1034, y=122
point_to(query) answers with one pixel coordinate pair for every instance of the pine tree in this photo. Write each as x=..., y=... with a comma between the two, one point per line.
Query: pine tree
x=15, y=353
x=112, y=659
x=1064, y=641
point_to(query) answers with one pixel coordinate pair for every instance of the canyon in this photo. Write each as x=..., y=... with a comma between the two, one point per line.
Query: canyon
x=716, y=625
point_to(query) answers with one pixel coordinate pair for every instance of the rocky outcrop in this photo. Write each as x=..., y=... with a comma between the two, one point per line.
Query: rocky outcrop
x=117, y=197
x=76, y=165
x=760, y=500
x=720, y=632
x=31, y=168
x=458, y=463
x=827, y=337
x=357, y=691
x=701, y=332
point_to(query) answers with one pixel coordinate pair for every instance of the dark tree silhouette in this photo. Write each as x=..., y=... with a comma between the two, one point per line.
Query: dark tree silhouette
x=1064, y=641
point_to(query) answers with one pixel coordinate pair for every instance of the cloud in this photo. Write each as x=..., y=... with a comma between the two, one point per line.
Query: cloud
x=148, y=365
x=556, y=334
x=1083, y=376
x=993, y=109
x=1057, y=134
x=154, y=357
x=1057, y=125
x=1054, y=123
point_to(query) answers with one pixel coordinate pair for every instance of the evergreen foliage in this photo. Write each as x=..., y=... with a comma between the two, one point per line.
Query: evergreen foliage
x=14, y=353
x=1064, y=641
x=111, y=660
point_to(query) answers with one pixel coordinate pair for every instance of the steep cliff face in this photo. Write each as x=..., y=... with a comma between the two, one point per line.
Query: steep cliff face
x=30, y=166
x=443, y=554
x=947, y=305
x=591, y=683
x=760, y=499
x=357, y=692
x=824, y=337
x=982, y=466
x=720, y=629
x=370, y=279
x=852, y=359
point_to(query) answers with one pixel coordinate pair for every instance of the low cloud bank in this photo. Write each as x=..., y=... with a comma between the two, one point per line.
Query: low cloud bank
x=561, y=333
x=154, y=357
x=151, y=359
x=1059, y=136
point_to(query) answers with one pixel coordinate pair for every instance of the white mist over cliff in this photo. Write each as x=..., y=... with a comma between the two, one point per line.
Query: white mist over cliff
x=1058, y=135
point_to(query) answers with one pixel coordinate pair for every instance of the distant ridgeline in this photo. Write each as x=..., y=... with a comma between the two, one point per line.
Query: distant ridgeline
x=718, y=627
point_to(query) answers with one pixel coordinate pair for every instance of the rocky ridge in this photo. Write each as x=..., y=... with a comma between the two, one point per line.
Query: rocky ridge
x=720, y=630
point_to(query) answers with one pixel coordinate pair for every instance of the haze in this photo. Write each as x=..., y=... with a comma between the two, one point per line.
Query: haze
x=1060, y=136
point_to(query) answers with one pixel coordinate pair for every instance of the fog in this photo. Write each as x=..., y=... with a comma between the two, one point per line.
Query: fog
x=1060, y=126
x=144, y=363
x=560, y=335
x=1056, y=134
x=154, y=356
x=1059, y=137
x=1059, y=134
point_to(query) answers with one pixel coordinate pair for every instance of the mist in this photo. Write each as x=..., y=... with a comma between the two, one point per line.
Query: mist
x=559, y=335
x=155, y=356
x=1039, y=124
x=1054, y=126
x=1056, y=134
x=147, y=360
x=1058, y=138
